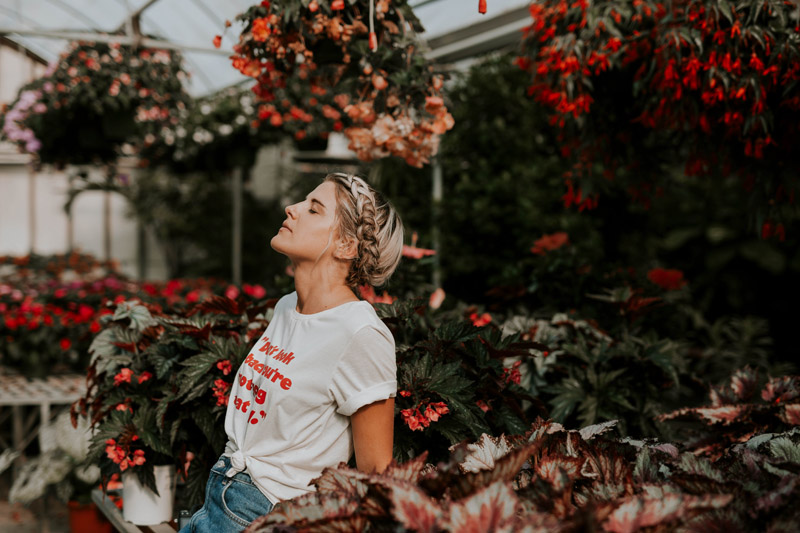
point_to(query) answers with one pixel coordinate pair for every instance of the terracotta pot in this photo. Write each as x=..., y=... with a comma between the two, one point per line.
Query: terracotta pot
x=87, y=518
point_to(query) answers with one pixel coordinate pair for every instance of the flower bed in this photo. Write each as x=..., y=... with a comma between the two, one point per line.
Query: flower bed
x=51, y=307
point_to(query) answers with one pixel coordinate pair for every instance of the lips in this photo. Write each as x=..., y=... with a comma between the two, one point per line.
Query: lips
x=285, y=226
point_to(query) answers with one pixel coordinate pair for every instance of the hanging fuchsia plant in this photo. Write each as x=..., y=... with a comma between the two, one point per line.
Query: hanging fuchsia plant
x=361, y=62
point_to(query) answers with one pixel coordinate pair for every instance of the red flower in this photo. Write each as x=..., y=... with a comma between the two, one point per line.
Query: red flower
x=667, y=279
x=481, y=320
x=11, y=323
x=550, y=242
x=411, y=419
x=217, y=41
x=144, y=376
x=482, y=7
x=337, y=5
x=404, y=393
x=94, y=327
x=65, y=344
x=124, y=376
x=225, y=366
x=368, y=293
x=483, y=405
x=231, y=292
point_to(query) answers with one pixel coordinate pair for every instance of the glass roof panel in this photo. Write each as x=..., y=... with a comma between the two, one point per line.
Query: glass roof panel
x=193, y=24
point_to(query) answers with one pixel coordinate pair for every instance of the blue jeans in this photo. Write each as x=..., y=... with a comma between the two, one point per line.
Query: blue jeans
x=231, y=503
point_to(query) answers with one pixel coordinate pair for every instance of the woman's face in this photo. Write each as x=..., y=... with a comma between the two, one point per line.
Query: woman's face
x=308, y=231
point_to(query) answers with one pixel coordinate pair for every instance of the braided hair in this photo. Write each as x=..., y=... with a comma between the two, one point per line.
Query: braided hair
x=364, y=215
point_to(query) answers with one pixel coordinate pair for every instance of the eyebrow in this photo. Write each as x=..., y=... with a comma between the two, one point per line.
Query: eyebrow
x=315, y=201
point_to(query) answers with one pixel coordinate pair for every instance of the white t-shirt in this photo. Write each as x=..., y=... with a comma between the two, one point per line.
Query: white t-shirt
x=289, y=409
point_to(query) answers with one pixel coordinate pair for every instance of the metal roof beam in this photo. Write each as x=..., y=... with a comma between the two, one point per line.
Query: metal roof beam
x=106, y=38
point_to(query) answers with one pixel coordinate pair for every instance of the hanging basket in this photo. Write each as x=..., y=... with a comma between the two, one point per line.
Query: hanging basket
x=140, y=505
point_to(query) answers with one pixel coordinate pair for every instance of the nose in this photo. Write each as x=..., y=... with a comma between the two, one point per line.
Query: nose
x=289, y=210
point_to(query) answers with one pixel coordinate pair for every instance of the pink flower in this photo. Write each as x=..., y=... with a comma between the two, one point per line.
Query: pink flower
x=436, y=298
x=124, y=376
x=416, y=253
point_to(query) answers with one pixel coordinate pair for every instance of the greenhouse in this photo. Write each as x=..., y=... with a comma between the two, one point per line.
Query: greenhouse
x=399, y=265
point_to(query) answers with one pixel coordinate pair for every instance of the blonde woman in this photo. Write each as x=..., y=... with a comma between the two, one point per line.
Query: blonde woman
x=319, y=384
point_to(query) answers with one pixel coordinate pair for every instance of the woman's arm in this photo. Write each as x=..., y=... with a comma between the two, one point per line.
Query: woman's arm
x=373, y=435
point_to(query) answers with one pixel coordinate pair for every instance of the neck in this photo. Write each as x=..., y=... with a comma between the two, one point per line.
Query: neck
x=319, y=289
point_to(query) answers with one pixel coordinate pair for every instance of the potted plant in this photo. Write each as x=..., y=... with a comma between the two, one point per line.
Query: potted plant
x=62, y=465
x=156, y=397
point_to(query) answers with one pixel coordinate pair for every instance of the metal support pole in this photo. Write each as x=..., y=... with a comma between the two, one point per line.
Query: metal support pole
x=436, y=203
x=107, y=226
x=141, y=245
x=32, y=207
x=236, y=251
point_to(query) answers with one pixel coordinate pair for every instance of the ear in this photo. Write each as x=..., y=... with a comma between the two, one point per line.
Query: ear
x=346, y=248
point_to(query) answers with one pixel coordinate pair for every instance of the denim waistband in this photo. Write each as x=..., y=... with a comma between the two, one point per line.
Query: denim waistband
x=223, y=465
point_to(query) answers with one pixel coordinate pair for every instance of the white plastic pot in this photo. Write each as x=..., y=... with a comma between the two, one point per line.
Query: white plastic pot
x=140, y=505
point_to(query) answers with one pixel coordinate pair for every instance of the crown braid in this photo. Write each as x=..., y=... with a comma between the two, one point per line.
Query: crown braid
x=374, y=224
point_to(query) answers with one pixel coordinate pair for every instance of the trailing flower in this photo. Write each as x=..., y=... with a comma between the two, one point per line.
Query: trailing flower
x=97, y=101
x=374, y=85
x=636, y=87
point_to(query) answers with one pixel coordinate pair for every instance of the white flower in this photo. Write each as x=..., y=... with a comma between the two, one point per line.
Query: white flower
x=225, y=129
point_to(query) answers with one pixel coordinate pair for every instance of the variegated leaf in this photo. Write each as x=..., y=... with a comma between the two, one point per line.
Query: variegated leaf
x=597, y=429
x=313, y=507
x=784, y=493
x=506, y=468
x=549, y=466
x=342, y=479
x=791, y=414
x=691, y=464
x=409, y=471
x=637, y=512
x=743, y=383
x=492, y=509
x=414, y=509
x=785, y=388
x=483, y=454
x=724, y=414
x=540, y=523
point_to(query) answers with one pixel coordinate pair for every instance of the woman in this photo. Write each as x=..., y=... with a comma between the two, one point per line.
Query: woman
x=320, y=382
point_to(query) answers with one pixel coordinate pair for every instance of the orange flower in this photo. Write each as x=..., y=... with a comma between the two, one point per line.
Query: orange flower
x=217, y=41
x=550, y=242
x=260, y=30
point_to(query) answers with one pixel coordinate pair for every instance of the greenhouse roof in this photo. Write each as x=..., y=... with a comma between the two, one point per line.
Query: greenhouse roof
x=454, y=28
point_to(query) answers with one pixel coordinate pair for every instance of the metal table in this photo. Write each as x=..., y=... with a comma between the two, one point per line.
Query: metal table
x=27, y=402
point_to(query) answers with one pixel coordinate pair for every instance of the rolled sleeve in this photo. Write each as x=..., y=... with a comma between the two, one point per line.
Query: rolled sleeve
x=367, y=371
